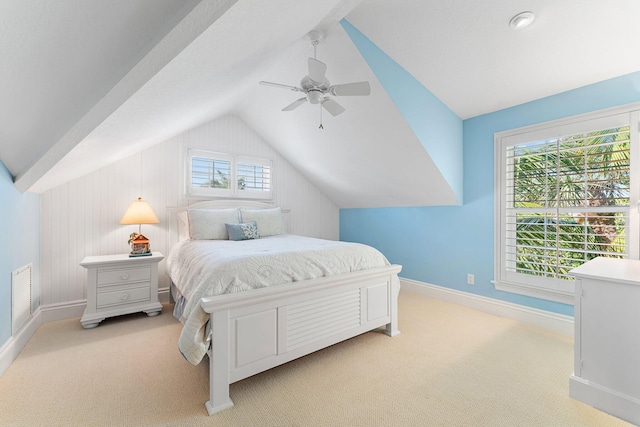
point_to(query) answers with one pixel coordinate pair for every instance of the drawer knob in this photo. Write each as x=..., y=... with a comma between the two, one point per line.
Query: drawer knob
x=124, y=276
x=125, y=297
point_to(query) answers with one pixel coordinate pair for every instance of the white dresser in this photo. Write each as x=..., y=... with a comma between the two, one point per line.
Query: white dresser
x=119, y=284
x=607, y=337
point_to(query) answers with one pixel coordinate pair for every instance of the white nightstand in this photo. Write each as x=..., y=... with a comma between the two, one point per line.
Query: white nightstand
x=119, y=284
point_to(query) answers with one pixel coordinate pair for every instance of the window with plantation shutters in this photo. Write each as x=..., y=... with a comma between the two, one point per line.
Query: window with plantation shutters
x=211, y=174
x=565, y=194
x=254, y=175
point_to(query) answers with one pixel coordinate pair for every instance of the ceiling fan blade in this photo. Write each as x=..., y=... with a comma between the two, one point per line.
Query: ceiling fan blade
x=292, y=88
x=351, y=89
x=295, y=104
x=317, y=70
x=332, y=107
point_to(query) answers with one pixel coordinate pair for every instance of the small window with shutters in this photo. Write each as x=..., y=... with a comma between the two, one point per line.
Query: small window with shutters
x=211, y=174
x=253, y=177
x=564, y=198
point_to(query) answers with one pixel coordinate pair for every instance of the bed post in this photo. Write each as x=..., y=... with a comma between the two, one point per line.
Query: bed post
x=392, y=326
x=219, y=363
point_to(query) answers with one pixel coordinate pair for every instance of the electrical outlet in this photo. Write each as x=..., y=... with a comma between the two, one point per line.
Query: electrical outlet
x=470, y=279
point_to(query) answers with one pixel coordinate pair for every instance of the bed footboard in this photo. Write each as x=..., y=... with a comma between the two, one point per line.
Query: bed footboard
x=258, y=330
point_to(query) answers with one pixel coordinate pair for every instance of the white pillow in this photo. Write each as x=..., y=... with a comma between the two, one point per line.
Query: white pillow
x=270, y=222
x=208, y=224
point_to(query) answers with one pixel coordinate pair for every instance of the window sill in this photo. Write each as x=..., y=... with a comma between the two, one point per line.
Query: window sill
x=557, y=295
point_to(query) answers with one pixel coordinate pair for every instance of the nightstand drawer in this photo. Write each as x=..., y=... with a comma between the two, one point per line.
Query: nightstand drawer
x=123, y=275
x=123, y=296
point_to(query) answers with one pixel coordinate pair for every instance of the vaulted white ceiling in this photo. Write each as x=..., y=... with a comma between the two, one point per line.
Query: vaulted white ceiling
x=83, y=84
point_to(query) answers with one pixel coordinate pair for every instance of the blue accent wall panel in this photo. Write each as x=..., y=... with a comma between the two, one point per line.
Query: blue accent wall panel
x=19, y=244
x=440, y=245
x=437, y=127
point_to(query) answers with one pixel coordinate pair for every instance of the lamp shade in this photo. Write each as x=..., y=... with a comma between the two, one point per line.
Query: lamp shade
x=139, y=212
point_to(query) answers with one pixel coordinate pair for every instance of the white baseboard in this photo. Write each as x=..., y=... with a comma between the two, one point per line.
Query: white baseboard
x=163, y=295
x=558, y=323
x=610, y=401
x=12, y=348
x=63, y=311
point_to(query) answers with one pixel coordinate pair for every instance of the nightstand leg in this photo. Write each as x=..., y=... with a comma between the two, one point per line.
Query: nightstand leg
x=90, y=325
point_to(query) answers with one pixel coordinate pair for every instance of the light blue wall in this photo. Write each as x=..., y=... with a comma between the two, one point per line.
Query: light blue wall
x=440, y=245
x=437, y=127
x=19, y=244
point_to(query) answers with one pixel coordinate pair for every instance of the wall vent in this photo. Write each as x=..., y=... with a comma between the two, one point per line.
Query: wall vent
x=20, y=297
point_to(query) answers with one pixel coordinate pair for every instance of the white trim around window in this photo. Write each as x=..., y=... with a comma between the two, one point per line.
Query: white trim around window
x=553, y=288
x=210, y=174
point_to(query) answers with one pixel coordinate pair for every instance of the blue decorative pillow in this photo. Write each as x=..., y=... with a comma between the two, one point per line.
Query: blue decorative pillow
x=244, y=231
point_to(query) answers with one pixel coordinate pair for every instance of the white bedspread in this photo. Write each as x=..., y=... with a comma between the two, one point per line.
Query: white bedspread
x=202, y=268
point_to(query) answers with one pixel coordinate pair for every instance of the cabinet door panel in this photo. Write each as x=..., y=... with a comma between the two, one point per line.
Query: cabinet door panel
x=610, y=335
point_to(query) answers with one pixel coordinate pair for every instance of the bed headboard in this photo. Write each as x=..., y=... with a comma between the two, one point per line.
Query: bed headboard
x=172, y=213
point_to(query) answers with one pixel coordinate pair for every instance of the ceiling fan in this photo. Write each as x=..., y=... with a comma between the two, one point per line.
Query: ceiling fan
x=317, y=88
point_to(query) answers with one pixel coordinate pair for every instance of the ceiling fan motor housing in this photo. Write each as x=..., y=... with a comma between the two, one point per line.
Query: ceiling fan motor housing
x=307, y=84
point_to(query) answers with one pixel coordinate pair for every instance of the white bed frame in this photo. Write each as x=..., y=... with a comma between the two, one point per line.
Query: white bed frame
x=258, y=330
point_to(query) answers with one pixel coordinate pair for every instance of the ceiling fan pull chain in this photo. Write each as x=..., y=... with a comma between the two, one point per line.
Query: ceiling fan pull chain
x=321, y=127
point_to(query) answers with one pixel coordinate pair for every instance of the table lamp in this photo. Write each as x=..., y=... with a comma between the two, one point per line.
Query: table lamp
x=139, y=212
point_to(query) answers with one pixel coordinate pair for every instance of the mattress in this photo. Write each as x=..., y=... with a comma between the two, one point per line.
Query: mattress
x=203, y=268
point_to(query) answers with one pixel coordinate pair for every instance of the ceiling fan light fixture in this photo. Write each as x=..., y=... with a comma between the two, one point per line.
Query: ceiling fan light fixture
x=522, y=20
x=314, y=96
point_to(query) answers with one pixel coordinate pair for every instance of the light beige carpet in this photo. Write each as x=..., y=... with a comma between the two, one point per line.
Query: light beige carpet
x=451, y=366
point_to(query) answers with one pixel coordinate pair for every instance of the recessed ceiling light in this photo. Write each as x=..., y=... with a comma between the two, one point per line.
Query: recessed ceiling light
x=522, y=20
